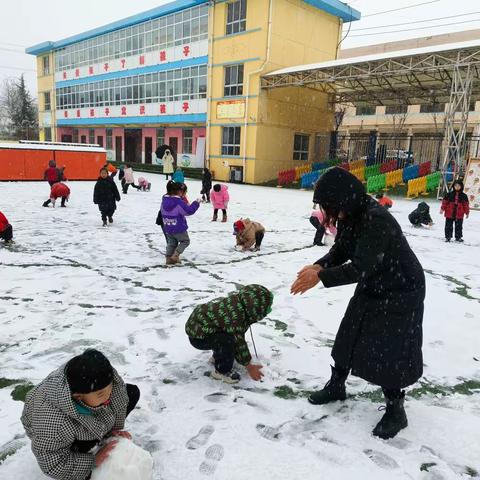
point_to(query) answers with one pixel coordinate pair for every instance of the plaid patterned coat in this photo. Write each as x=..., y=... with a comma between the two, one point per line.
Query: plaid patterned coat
x=233, y=314
x=52, y=422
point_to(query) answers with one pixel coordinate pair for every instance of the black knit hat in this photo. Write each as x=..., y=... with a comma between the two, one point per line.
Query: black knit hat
x=89, y=372
x=339, y=190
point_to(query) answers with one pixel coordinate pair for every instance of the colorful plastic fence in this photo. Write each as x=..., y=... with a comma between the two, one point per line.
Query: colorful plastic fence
x=433, y=181
x=286, y=176
x=372, y=171
x=392, y=179
x=411, y=172
x=425, y=169
x=416, y=186
x=389, y=166
x=356, y=164
x=359, y=173
x=299, y=171
x=376, y=182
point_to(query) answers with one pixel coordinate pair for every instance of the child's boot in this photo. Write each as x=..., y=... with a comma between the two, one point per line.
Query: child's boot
x=333, y=390
x=395, y=418
x=224, y=218
x=110, y=219
x=176, y=258
x=215, y=217
x=230, y=377
x=46, y=203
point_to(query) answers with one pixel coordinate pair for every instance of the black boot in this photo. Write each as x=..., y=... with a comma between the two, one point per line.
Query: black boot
x=46, y=203
x=394, y=418
x=333, y=390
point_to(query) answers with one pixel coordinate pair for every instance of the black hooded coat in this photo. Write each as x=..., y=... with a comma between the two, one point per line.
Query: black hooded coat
x=380, y=336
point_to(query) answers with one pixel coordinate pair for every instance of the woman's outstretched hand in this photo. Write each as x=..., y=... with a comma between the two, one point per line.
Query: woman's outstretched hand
x=307, y=278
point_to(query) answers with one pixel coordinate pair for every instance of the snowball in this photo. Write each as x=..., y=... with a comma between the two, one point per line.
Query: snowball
x=126, y=461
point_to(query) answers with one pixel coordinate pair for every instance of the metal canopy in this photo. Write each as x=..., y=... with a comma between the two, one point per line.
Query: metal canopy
x=412, y=77
x=442, y=74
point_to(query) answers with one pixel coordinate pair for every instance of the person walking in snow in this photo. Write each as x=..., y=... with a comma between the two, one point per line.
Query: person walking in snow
x=421, y=216
x=380, y=336
x=52, y=174
x=206, y=185
x=105, y=195
x=248, y=234
x=173, y=211
x=455, y=206
x=58, y=190
x=6, y=230
x=318, y=220
x=220, y=326
x=219, y=198
x=128, y=179
x=73, y=410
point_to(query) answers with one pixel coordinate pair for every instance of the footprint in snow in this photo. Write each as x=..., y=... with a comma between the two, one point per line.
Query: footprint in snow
x=381, y=459
x=216, y=397
x=269, y=433
x=400, y=443
x=201, y=438
x=213, y=455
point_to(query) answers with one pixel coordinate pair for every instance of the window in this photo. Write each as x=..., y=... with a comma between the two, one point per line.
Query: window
x=366, y=110
x=231, y=141
x=109, y=144
x=432, y=108
x=187, y=140
x=91, y=135
x=47, y=131
x=75, y=135
x=189, y=83
x=300, y=146
x=160, y=137
x=47, y=106
x=395, y=109
x=185, y=27
x=236, y=17
x=46, y=65
x=233, y=81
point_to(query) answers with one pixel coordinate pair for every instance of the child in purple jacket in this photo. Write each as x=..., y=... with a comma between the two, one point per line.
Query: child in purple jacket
x=173, y=211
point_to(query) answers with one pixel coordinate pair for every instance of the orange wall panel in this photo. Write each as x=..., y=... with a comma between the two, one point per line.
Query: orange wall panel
x=22, y=164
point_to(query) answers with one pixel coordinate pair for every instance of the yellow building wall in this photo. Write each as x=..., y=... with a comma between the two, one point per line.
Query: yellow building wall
x=299, y=34
x=46, y=83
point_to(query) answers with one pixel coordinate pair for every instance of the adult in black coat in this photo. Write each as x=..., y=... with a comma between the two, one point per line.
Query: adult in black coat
x=206, y=184
x=105, y=195
x=380, y=336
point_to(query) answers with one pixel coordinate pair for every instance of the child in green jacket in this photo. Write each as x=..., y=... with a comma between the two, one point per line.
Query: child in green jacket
x=220, y=325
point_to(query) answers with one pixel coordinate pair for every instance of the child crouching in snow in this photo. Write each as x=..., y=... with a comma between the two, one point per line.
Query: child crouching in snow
x=173, y=212
x=421, y=216
x=6, y=230
x=144, y=185
x=249, y=234
x=58, y=190
x=74, y=410
x=220, y=326
x=318, y=220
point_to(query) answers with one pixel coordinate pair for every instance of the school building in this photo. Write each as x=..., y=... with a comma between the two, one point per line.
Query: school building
x=187, y=74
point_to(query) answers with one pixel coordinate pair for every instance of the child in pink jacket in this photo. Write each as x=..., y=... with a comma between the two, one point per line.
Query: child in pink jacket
x=219, y=198
x=318, y=220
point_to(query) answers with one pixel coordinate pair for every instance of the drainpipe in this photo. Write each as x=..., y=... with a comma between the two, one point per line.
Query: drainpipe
x=211, y=18
x=255, y=72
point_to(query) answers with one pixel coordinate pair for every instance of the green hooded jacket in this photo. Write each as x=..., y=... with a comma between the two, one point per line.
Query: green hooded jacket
x=233, y=314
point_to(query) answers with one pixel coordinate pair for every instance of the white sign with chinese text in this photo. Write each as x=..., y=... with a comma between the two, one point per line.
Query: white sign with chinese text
x=167, y=55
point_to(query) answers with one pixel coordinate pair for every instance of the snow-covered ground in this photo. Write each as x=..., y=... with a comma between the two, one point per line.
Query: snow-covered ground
x=68, y=284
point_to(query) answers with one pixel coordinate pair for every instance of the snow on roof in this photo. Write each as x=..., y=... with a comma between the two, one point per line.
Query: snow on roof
x=378, y=56
x=54, y=146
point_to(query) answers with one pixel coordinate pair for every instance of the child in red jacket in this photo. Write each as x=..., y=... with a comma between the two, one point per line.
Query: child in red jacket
x=6, y=230
x=455, y=206
x=58, y=190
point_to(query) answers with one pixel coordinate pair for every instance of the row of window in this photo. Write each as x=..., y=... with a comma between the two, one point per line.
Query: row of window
x=188, y=26
x=76, y=138
x=401, y=109
x=188, y=83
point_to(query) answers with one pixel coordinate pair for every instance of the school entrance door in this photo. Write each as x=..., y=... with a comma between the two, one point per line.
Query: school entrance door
x=133, y=145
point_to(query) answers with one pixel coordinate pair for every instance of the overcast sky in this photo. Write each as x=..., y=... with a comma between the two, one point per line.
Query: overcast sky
x=27, y=22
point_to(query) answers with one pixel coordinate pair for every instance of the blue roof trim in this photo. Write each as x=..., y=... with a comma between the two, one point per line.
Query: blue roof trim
x=172, y=7
x=337, y=8
x=164, y=119
x=191, y=62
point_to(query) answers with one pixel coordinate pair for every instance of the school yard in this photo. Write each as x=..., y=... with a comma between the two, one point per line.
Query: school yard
x=68, y=284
